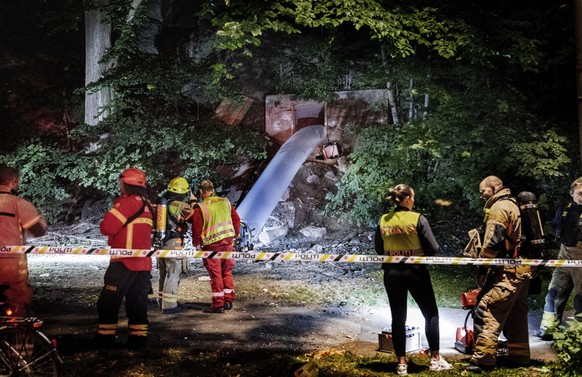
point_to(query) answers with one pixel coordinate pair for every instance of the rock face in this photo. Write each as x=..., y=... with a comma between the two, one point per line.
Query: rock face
x=301, y=213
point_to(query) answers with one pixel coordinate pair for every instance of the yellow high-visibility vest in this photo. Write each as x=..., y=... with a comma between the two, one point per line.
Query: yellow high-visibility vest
x=217, y=220
x=399, y=233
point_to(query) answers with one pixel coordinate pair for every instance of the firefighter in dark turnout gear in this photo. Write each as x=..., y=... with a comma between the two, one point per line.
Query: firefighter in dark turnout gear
x=179, y=212
x=503, y=305
x=568, y=223
x=128, y=225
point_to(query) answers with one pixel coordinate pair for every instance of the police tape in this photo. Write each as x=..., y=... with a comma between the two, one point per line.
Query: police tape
x=287, y=256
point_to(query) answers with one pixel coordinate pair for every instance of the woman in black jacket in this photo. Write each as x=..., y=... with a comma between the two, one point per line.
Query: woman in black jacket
x=402, y=232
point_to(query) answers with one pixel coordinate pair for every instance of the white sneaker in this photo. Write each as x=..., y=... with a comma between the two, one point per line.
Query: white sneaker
x=402, y=369
x=439, y=364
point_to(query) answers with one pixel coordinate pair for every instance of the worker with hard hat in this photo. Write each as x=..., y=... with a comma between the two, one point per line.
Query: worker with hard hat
x=176, y=205
x=128, y=225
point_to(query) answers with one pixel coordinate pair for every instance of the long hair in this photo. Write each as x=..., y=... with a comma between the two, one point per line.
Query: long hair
x=398, y=193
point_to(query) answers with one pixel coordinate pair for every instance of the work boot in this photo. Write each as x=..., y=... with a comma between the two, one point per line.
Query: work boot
x=475, y=367
x=104, y=342
x=136, y=342
x=176, y=310
x=227, y=305
x=213, y=310
x=545, y=335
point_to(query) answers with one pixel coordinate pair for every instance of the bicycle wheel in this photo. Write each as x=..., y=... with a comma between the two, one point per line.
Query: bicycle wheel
x=29, y=353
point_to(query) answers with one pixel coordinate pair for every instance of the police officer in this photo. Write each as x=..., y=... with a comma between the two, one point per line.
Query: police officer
x=503, y=305
x=568, y=224
x=179, y=211
x=403, y=232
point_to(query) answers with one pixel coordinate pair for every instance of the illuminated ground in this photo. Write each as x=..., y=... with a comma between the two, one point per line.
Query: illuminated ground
x=286, y=307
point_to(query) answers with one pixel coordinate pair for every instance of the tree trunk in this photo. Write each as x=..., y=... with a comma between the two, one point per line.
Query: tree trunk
x=391, y=97
x=97, y=42
x=426, y=104
x=578, y=12
x=411, y=104
x=427, y=96
x=392, y=103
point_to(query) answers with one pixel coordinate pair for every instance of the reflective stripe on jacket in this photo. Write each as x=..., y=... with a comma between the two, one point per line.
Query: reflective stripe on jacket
x=135, y=235
x=217, y=220
x=178, y=214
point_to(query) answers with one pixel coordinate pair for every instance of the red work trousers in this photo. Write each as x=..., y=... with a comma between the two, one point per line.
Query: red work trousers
x=220, y=271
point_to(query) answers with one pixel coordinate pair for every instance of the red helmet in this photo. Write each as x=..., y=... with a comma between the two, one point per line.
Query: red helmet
x=133, y=176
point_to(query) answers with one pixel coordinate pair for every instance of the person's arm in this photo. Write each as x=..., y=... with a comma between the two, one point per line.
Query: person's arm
x=197, y=222
x=39, y=228
x=235, y=221
x=378, y=242
x=30, y=220
x=495, y=232
x=114, y=219
x=429, y=244
x=557, y=223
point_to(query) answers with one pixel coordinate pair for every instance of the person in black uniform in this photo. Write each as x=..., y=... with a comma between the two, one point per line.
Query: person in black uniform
x=402, y=232
x=568, y=224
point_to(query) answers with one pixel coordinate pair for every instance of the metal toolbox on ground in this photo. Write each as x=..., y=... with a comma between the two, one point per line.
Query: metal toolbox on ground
x=413, y=339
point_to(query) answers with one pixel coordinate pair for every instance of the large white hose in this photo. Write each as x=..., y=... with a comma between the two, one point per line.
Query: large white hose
x=263, y=197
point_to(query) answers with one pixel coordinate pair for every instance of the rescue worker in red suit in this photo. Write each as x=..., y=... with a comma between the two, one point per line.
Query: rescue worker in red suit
x=503, y=306
x=215, y=225
x=17, y=217
x=128, y=225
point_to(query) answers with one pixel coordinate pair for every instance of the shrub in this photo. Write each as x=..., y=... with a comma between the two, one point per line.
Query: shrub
x=568, y=344
x=54, y=179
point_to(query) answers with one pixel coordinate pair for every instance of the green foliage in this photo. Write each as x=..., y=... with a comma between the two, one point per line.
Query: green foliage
x=52, y=177
x=544, y=155
x=568, y=344
x=41, y=182
x=402, y=28
x=308, y=70
x=438, y=26
x=482, y=118
x=470, y=133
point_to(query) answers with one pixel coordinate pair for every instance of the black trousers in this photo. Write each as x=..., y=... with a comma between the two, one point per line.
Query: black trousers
x=399, y=280
x=122, y=283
